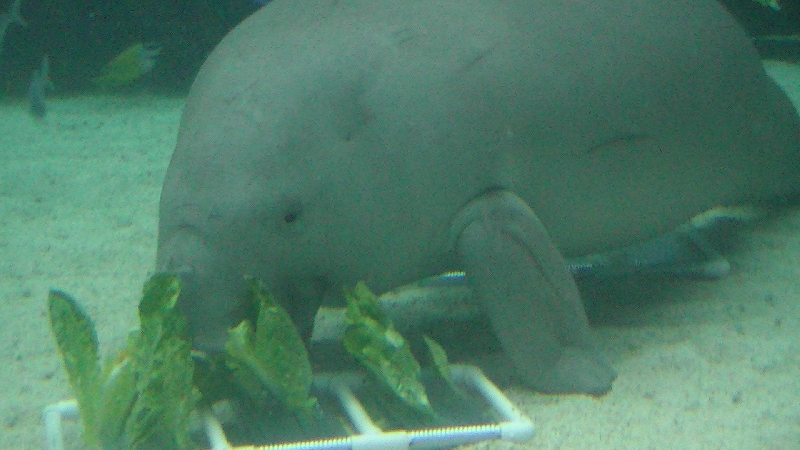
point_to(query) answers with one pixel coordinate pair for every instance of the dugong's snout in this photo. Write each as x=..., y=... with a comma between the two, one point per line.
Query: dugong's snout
x=211, y=310
x=212, y=299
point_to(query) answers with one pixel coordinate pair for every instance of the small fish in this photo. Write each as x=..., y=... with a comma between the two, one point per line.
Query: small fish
x=454, y=279
x=9, y=17
x=130, y=65
x=772, y=4
x=40, y=84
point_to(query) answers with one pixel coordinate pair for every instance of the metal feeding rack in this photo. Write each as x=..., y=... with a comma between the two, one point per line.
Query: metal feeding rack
x=514, y=427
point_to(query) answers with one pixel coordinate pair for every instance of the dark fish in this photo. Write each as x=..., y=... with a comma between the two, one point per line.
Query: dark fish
x=9, y=17
x=40, y=84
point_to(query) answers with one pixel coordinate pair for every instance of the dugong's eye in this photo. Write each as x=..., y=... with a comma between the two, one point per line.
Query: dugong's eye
x=285, y=212
x=290, y=217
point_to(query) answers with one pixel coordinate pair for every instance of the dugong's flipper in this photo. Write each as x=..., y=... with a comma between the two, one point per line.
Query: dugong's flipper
x=524, y=287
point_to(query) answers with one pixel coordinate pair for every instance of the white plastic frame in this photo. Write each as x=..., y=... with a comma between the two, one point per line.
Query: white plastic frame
x=515, y=427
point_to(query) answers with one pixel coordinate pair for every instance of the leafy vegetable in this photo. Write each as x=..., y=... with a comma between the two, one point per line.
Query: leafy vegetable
x=439, y=357
x=371, y=338
x=272, y=356
x=144, y=398
x=77, y=340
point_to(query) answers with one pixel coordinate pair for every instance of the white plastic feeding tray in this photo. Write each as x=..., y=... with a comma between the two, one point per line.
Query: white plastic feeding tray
x=514, y=427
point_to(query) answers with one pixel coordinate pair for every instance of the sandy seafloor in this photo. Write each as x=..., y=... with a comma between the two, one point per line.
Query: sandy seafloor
x=702, y=364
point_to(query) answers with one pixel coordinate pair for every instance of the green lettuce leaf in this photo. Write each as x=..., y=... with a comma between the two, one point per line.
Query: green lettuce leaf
x=142, y=398
x=76, y=338
x=271, y=360
x=372, y=339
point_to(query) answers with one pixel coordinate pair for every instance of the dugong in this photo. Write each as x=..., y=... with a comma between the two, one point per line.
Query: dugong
x=331, y=141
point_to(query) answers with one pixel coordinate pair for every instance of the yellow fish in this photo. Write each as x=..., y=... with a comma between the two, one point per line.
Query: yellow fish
x=130, y=65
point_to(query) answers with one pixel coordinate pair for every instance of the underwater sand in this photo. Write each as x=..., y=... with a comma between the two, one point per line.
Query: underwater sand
x=702, y=364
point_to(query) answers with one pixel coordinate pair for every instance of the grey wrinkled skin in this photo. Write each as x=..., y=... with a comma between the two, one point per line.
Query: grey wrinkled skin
x=328, y=142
